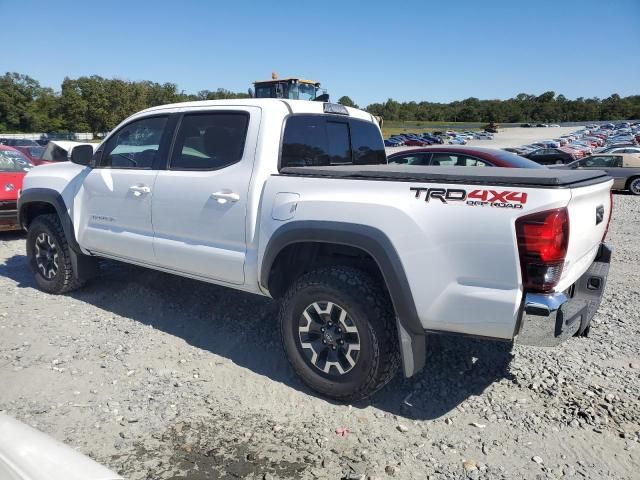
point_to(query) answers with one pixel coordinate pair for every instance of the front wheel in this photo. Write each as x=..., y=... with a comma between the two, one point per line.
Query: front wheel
x=49, y=256
x=339, y=333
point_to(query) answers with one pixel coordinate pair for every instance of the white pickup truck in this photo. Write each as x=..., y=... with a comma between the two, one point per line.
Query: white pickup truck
x=295, y=200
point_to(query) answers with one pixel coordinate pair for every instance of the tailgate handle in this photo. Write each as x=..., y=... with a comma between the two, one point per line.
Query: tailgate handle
x=599, y=214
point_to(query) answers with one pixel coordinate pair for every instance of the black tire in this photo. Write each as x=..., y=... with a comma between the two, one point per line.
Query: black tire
x=367, y=307
x=64, y=280
x=633, y=185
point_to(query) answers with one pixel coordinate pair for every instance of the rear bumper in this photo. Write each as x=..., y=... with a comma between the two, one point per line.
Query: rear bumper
x=546, y=320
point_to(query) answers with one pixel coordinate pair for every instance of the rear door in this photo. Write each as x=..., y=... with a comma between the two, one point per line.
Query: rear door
x=117, y=192
x=200, y=201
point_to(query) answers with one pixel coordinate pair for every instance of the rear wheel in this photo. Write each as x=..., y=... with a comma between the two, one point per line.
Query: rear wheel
x=339, y=333
x=49, y=256
x=559, y=162
x=634, y=186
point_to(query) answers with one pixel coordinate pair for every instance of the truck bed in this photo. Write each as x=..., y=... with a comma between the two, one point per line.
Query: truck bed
x=522, y=177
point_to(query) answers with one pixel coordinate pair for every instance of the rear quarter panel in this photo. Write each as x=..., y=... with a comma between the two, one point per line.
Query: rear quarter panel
x=461, y=261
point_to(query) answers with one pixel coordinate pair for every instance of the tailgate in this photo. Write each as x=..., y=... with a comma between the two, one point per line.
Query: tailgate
x=589, y=212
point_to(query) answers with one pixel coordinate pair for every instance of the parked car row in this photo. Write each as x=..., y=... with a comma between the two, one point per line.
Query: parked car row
x=14, y=165
x=53, y=151
x=425, y=139
x=621, y=138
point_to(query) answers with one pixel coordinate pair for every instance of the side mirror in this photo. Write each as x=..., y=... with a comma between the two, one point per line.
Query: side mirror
x=82, y=154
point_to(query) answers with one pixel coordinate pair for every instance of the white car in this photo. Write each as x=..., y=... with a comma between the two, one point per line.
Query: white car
x=27, y=454
x=295, y=200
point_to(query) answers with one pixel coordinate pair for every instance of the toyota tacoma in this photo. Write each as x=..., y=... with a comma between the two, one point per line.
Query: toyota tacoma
x=295, y=200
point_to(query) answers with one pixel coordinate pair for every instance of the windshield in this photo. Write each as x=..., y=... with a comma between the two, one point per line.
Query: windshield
x=36, y=152
x=14, y=162
x=306, y=91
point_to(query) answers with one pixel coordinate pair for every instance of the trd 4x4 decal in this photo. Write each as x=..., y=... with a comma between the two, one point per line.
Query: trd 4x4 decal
x=475, y=198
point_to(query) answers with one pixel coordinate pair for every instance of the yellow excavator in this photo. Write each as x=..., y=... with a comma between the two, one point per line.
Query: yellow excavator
x=293, y=88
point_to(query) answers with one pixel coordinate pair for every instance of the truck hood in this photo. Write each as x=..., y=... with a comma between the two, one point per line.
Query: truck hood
x=27, y=454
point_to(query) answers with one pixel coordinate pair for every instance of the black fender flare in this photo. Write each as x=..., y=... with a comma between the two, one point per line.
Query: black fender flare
x=378, y=245
x=53, y=198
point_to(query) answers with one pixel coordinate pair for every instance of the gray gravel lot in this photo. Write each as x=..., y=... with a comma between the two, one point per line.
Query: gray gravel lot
x=161, y=377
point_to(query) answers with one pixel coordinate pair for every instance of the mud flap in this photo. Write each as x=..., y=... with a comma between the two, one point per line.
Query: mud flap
x=412, y=350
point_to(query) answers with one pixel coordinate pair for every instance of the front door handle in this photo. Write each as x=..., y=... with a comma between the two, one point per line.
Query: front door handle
x=225, y=196
x=139, y=190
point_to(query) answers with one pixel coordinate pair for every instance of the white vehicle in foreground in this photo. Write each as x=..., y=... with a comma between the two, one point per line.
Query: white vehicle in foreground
x=295, y=200
x=27, y=454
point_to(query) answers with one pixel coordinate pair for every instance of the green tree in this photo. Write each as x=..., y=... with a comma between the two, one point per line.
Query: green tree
x=347, y=102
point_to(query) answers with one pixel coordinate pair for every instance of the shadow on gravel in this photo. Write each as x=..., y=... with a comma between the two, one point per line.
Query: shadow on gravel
x=243, y=328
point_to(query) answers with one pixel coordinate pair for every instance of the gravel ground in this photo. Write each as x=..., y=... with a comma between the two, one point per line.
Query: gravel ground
x=160, y=377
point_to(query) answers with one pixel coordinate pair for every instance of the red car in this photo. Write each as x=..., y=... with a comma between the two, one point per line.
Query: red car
x=13, y=167
x=461, y=157
x=34, y=154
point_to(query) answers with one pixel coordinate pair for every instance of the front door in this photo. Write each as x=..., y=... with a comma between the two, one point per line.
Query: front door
x=117, y=192
x=200, y=202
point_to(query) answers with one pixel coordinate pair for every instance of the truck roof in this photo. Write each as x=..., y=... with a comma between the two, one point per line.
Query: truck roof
x=294, y=106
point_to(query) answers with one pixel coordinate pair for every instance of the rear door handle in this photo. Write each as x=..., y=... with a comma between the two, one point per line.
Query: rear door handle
x=224, y=197
x=139, y=190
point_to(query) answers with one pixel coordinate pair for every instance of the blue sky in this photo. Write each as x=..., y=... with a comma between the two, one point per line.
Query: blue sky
x=369, y=50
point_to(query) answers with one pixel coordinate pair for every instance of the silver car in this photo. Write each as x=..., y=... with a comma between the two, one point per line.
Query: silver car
x=624, y=168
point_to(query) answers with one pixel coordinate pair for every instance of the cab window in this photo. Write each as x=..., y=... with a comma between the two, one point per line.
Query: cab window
x=323, y=140
x=601, y=161
x=135, y=145
x=210, y=141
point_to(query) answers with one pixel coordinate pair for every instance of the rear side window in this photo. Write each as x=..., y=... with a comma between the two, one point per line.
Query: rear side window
x=322, y=140
x=210, y=141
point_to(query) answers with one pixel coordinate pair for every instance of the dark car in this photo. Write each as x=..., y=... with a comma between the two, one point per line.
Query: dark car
x=20, y=142
x=550, y=156
x=461, y=157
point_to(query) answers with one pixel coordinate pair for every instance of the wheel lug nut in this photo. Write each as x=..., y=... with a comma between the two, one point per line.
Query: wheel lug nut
x=324, y=341
x=322, y=329
x=330, y=324
x=333, y=348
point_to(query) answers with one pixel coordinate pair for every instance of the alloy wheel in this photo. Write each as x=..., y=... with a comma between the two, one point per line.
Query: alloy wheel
x=329, y=338
x=46, y=256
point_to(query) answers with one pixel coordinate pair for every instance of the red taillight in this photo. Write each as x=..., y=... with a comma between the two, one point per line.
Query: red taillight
x=542, y=244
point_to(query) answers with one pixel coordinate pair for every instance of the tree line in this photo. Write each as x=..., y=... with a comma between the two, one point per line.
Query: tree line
x=548, y=108
x=86, y=104
x=96, y=104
